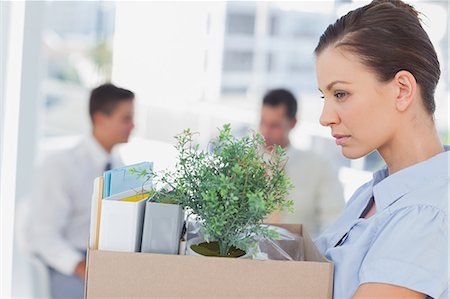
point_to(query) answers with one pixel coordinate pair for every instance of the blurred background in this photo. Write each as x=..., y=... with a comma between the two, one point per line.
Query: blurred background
x=191, y=64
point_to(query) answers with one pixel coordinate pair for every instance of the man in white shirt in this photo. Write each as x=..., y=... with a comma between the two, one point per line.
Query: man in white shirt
x=317, y=193
x=61, y=202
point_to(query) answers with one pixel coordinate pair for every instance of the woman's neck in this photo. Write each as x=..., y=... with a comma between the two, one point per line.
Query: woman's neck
x=410, y=147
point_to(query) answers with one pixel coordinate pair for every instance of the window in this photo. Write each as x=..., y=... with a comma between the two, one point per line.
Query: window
x=234, y=90
x=309, y=25
x=235, y=60
x=270, y=63
x=238, y=23
x=274, y=25
x=77, y=43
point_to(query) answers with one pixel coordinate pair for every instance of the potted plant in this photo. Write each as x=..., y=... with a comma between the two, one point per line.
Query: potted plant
x=229, y=188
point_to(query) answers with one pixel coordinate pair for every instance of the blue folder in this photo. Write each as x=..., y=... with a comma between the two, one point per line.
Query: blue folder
x=120, y=179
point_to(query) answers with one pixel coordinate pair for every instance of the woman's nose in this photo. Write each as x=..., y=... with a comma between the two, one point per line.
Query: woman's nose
x=329, y=116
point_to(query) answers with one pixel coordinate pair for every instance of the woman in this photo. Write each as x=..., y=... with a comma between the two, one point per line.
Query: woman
x=377, y=71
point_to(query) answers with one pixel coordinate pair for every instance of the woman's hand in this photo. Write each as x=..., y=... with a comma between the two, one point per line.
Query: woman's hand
x=383, y=290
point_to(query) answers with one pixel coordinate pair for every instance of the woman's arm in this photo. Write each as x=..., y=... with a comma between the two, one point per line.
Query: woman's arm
x=383, y=290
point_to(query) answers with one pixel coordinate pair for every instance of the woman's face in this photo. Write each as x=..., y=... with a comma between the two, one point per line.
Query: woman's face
x=359, y=109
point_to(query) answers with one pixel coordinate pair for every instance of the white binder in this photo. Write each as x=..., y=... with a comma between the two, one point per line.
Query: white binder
x=121, y=222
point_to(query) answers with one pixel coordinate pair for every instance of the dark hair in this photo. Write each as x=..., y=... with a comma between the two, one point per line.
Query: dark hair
x=388, y=37
x=106, y=97
x=283, y=97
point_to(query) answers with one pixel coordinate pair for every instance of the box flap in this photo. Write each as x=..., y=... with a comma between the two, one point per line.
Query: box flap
x=311, y=252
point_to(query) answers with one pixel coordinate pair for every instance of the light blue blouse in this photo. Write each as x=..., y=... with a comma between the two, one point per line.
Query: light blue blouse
x=405, y=243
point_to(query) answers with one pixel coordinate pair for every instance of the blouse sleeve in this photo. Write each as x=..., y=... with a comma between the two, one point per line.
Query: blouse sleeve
x=410, y=250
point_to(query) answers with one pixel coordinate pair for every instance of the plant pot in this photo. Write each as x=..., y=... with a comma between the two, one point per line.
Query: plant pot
x=199, y=240
x=163, y=224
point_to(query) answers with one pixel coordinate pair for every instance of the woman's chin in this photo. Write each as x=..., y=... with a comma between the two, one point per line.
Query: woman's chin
x=353, y=153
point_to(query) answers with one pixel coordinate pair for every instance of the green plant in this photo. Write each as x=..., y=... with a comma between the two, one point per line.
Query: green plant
x=230, y=188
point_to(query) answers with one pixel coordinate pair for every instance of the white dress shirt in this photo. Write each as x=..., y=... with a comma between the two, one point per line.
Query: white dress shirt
x=317, y=193
x=61, y=203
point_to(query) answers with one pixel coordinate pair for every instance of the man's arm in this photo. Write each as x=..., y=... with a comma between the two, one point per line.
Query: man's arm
x=51, y=208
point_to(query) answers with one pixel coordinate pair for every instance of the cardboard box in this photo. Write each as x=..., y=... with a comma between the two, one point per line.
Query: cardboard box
x=127, y=274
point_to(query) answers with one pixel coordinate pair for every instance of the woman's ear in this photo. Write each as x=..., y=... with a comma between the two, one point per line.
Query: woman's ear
x=407, y=88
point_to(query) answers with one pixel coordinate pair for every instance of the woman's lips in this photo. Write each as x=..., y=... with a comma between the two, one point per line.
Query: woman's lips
x=341, y=139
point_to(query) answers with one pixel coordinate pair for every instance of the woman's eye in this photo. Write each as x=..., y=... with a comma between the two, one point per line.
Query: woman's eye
x=340, y=95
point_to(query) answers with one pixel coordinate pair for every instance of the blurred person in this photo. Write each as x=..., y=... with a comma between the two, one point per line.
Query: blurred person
x=392, y=239
x=61, y=203
x=317, y=193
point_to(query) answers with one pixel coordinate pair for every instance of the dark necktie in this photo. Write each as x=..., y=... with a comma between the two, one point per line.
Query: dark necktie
x=108, y=166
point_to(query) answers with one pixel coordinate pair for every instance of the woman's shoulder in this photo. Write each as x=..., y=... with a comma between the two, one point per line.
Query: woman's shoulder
x=400, y=220
x=432, y=196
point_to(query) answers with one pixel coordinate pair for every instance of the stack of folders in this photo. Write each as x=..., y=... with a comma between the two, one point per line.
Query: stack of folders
x=118, y=205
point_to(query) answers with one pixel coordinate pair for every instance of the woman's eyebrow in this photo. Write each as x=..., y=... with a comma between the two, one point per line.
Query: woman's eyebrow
x=329, y=86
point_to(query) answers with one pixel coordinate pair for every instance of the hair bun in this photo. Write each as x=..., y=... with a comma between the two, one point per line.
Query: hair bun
x=399, y=4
